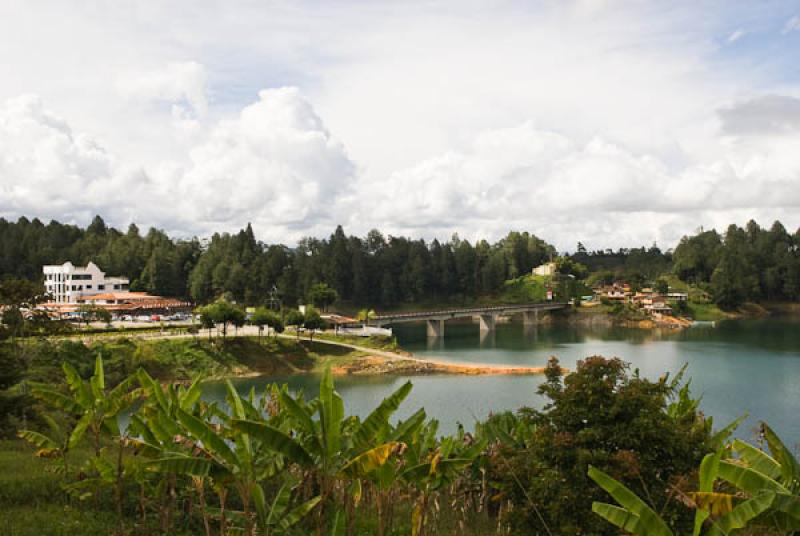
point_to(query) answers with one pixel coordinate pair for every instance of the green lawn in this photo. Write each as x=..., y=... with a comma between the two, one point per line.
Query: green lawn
x=706, y=311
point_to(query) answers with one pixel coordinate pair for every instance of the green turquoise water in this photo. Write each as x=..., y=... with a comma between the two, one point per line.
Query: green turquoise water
x=737, y=367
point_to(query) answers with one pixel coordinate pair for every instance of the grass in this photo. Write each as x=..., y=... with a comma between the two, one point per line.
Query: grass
x=704, y=311
x=184, y=358
x=525, y=289
x=32, y=503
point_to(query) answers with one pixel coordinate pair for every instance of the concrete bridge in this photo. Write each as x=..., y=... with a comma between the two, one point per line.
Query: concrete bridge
x=487, y=316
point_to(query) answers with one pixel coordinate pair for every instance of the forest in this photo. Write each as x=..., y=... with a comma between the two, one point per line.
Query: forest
x=375, y=270
x=743, y=264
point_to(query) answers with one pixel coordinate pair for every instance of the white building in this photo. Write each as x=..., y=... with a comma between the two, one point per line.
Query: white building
x=547, y=269
x=67, y=282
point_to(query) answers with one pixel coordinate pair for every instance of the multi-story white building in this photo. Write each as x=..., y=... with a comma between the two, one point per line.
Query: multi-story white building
x=67, y=282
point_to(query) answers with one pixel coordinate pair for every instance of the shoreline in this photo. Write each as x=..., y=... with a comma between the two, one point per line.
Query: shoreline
x=351, y=359
x=405, y=363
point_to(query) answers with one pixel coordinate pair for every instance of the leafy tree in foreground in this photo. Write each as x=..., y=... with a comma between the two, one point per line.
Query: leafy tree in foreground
x=600, y=415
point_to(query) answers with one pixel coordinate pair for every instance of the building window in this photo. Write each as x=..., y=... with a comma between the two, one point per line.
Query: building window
x=101, y=287
x=88, y=287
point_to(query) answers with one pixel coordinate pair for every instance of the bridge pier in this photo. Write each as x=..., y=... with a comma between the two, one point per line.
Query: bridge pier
x=487, y=339
x=530, y=318
x=487, y=322
x=435, y=328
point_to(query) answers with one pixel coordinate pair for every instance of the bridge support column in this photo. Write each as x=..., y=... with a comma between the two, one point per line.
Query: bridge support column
x=530, y=318
x=487, y=322
x=435, y=328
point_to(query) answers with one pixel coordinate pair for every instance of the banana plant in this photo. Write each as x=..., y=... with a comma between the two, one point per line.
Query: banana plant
x=52, y=445
x=239, y=453
x=634, y=516
x=96, y=409
x=755, y=470
x=343, y=451
x=433, y=464
x=158, y=433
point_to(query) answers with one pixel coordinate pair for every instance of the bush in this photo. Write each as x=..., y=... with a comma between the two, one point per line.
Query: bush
x=603, y=416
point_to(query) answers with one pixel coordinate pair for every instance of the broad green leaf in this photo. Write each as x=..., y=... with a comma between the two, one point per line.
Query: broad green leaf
x=98, y=380
x=422, y=470
x=123, y=389
x=709, y=468
x=757, y=459
x=58, y=400
x=105, y=468
x=790, y=471
x=193, y=393
x=619, y=517
x=260, y=502
x=79, y=430
x=298, y=513
x=279, y=504
x=76, y=385
x=298, y=413
x=212, y=443
x=748, y=479
x=408, y=427
x=331, y=415
x=182, y=465
x=153, y=388
x=275, y=440
x=37, y=440
x=368, y=461
x=379, y=418
x=650, y=521
x=234, y=401
x=740, y=516
x=719, y=438
x=137, y=426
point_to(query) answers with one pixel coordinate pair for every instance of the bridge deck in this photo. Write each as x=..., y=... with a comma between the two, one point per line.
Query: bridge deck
x=463, y=312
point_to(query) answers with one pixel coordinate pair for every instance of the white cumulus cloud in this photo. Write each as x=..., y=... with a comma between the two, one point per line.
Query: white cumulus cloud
x=274, y=165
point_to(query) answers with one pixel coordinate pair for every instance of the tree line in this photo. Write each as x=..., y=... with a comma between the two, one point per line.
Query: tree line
x=743, y=264
x=747, y=263
x=375, y=270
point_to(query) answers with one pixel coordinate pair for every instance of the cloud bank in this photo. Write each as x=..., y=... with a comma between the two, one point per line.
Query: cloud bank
x=573, y=120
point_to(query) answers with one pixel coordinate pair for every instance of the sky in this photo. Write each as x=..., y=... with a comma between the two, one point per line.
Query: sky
x=613, y=123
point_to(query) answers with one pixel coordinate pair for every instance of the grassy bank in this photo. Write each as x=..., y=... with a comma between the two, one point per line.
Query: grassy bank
x=178, y=358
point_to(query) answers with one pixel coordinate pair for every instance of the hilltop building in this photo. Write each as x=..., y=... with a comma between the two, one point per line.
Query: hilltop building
x=547, y=269
x=67, y=283
x=72, y=286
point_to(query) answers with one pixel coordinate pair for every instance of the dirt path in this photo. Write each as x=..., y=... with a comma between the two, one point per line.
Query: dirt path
x=382, y=361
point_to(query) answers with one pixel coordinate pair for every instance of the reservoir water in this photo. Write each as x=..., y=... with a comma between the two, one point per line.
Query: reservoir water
x=737, y=367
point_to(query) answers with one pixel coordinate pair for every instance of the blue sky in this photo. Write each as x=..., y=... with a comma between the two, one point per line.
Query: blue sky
x=615, y=123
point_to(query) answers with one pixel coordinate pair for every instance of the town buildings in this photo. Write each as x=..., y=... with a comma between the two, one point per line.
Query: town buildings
x=547, y=269
x=71, y=287
x=67, y=283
